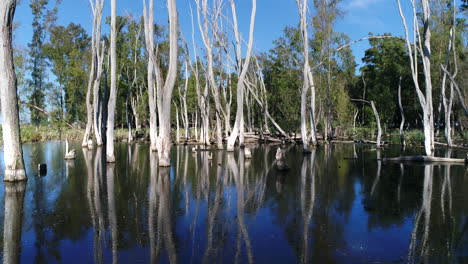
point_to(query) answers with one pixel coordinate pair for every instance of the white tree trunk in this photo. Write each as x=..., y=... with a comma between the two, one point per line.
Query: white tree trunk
x=13, y=155
x=164, y=105
x=422, y=47
x=239, y=123
x=148, y=17
x=97, y=102
x=377, y=120
x=208, y=42
x=448, y=102
x=110, y=157
x=400, y=106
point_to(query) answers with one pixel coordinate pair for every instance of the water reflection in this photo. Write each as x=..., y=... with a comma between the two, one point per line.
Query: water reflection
x=307, y=201
x=161, y=236
x=13, y=221
x=213, y=207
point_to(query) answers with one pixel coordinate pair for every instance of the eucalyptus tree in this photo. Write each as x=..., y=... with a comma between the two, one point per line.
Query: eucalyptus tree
x=164, y=88
x=113, y=89
x=421, y=47
x=242, y=68
x=13, y=154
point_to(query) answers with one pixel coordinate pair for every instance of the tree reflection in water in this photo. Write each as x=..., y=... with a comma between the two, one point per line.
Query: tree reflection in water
x=160, y=208
x=13, y=221
x=237, y=170
x=229, y=209
x=417, y=250
x=307, y=201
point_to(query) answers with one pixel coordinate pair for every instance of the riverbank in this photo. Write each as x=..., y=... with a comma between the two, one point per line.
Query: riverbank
x=414, y=137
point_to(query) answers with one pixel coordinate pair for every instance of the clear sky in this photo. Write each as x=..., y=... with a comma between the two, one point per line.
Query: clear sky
x=360, y=18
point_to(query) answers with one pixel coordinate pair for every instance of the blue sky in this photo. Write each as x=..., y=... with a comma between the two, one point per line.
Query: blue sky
x=360, y=18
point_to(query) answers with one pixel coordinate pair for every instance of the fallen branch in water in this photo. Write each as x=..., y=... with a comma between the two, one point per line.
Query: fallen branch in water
x=425, y=159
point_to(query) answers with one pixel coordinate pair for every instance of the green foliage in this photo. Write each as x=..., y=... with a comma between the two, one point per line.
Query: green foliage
x=282, y=75
x=37, y=63
x=68, y=50
x=384, y=63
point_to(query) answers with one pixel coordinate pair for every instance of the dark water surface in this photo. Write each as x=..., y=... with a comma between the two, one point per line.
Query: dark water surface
x=328, y=208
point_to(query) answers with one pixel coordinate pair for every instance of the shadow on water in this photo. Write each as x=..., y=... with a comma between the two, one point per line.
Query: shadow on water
x=338, y=204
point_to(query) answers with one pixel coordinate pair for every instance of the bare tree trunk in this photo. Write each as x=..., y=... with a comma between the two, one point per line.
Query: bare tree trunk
x=447, y=103
x=308, y=83
x=164, y=105
x=208, y=42
x=377, y=119
x=113, y=89
x=13, y=155
x=422, y=47
x=98, y=101
x=149, y=41
x=184, y=104
x=239, y=123
x=177, y=137
x=400, y=106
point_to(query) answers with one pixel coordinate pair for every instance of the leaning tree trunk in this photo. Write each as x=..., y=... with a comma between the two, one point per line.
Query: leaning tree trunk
x=113, y=89
x=377, y=119
x=208, y=42
x=13, y=155
x=239, y=123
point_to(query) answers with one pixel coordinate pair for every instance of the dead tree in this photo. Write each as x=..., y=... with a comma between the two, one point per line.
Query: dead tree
x=308, y=83
x=377, y=119
x=148, y=17
x=113, y=89
x=164, y=96
x=208, y=42
x=400, y=106
x=421, y=47
x=238, y=129
x=95, y=73
x=448, y=102
x=13, y=155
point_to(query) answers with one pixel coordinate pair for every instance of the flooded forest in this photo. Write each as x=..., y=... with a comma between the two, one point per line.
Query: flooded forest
x=200, y=131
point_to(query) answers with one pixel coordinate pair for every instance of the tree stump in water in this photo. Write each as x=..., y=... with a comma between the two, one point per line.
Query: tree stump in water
x=280, y=156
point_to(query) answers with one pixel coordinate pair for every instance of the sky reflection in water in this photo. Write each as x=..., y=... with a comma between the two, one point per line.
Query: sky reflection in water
x=338, y=204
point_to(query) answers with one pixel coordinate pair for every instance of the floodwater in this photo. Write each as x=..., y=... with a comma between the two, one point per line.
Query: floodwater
x=339, y=204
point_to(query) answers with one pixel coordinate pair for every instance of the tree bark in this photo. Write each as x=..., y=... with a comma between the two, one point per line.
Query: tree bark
x=377, y=119
x=402, y=124
x=113, y=89
x=13, y=154
x=422, y=47
x=308, y=83
x=92, y=104
x=238, y=129
x=149, y=41
x=208, y=42
x=164, y=104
